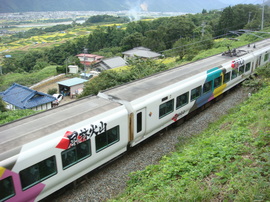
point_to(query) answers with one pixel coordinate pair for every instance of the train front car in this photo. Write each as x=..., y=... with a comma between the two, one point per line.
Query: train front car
x=54, y=148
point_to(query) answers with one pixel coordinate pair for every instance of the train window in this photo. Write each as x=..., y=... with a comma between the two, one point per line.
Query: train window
x=107, y=138
x=76, y=153
x=217, y=82
x=227, y=77
x=38, y=172
x=166, y=108
x=139, y=122
x=266, y=57
x=207, y=87
x=7, y=188
x=247, y=67
x=241, y=70
x=182, y=100
x=234, y=74
x=195, y=93
x=163, y=99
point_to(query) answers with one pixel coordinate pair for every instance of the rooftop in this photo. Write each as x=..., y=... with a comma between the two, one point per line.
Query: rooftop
x=24, y=97
x=142, y=52
x=72, y=82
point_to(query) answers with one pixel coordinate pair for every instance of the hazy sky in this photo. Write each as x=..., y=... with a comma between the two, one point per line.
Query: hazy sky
x=233, y=2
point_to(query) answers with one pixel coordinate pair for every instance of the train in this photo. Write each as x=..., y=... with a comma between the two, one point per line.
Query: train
x=42, y=153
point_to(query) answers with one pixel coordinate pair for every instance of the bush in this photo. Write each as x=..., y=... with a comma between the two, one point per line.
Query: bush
x=61, y=69
x=52, y=91
x=2, y=106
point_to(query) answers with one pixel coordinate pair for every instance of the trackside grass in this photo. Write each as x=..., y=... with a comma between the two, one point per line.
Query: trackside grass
x=230, y=161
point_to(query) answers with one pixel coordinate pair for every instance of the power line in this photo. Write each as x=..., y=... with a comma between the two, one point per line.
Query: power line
x=212, y=38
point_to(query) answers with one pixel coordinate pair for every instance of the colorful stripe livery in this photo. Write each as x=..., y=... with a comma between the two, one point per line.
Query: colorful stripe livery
x=10, y=196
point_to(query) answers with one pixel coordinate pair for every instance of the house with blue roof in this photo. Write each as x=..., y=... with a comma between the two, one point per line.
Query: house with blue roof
x=22, y=97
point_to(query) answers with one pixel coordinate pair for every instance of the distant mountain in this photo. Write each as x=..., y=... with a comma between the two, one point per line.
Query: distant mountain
x=190, y=6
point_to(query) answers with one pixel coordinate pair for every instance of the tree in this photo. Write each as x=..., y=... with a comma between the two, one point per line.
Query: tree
x=2, y=106
x=182, y=47
x=141, y=68
x=177, y=27
x=97, y=39
x=61, y=69
x=226, y=21
x=133, y=27
x=10, y=65
x=237, y=17
x=40, y=64
x=154, y=40
x=204, y=11
x=114, y=36
x=132, y=41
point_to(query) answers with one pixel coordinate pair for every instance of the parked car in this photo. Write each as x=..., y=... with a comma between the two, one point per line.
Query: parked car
x=58, y=97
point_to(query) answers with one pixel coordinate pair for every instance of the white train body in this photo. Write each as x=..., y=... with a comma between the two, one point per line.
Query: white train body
x=42, y=153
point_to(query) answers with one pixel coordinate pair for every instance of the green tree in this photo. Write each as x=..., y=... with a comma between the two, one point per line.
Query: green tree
x=154, y=40
x=40, y=64
x=97, y=39
x=115, y=35
x=238, y=17
x=226, y=21
x=132, y=41
x=178, y=27
x=141, y=68
x=2, y=105
x=204, y=11
x=10, y=65
x=182, y=47
x=110, y=52
x=61, y=69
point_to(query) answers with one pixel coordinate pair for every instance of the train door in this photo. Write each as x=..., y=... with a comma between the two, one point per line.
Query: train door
x=258, y=62
x=140, y=121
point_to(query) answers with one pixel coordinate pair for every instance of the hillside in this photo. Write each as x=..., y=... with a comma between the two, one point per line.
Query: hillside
x=109, y=5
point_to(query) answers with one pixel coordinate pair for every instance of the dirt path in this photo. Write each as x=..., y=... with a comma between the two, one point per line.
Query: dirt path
x=51, y=83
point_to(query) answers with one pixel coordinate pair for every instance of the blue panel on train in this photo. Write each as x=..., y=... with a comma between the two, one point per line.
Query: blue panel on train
x=213, y=73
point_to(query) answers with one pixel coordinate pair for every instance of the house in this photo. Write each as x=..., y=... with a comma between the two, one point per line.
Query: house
x=141, y=52
x=110, y=63
x=73, y=69
x=88, y=59
x=22, y=97
x=71, y=87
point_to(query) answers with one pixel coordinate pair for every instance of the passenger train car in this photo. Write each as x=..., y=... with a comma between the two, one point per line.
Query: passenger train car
x=42, y=153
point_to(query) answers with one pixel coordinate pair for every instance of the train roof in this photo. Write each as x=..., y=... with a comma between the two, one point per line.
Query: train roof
x=15, y=134
x=145, y=86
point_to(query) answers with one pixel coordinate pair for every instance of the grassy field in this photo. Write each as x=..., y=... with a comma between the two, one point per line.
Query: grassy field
x=230, y=161
x=27, y=79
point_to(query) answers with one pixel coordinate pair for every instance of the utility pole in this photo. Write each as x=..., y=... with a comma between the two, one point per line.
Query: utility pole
x=203, y=30
x=262, y=15
x=84, y=58
x=67, y=61
x=249, y=14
